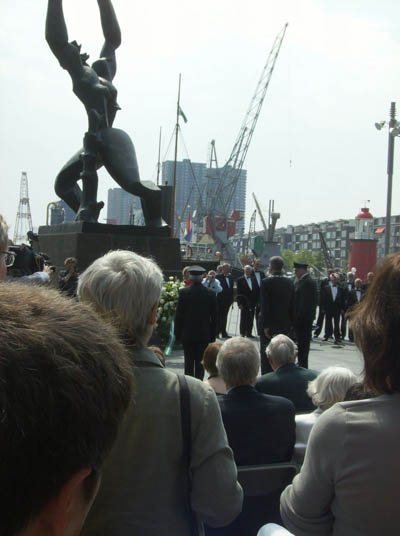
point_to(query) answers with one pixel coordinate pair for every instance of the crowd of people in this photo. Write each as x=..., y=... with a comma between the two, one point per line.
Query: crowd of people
x=99, y=437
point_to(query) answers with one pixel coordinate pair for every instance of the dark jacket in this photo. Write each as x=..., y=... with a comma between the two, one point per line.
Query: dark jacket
x=277, y=300
x=305, y=300
x=352, y=299
x=258, y=288
x=328, y=305
x=245, y=296
x=226, y=296
x=289, y=381
x=260, y=428
x=196, y=314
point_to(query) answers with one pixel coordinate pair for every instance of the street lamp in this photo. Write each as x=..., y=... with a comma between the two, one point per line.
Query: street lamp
x=394, y=130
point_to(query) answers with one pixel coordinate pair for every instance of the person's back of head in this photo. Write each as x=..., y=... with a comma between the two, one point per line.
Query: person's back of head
x=375, y=324
x=124, y=288
x=330, y=386
x=281, y=351
x=276, y=264
x=210, y=354
x=65, y=384
x=238, y=362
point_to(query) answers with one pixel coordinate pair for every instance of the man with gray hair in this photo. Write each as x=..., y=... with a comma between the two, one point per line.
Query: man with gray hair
x=287, y=379
x=260, y=428
x=144, y=488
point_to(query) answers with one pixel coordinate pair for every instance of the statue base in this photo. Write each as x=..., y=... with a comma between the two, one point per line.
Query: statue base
x=89, y=241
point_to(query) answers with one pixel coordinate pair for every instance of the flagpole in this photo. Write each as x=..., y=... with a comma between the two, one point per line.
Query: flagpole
x=159, y=157
x=175, y=162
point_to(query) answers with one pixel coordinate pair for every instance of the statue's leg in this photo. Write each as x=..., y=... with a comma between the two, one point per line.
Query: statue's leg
x=119, y=158
x=66, y=186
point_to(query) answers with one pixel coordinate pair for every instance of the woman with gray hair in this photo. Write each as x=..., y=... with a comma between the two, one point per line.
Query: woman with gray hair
x=328, y=388
x=147, y=465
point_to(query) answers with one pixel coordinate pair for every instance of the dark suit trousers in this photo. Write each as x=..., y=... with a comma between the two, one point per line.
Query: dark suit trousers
x=264, y=342
x=328, y=325
x=193, y=352
x=223, y=317
x=303, y=333
x=320, y=322
x=343, y=324
x=246, y=321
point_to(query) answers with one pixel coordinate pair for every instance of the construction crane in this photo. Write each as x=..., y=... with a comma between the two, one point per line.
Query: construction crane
x=252, y=232
x=23, y=222
x=218, y=204
x=325, y=252
x=268, y=248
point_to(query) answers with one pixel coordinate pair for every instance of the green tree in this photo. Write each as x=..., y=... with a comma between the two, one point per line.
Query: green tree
x=288, y=258
x=305, y=257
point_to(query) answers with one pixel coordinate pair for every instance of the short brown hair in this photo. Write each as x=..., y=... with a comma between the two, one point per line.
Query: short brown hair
x=65, y=383
x=210, y=357
x=375, y=322
x=276, y=263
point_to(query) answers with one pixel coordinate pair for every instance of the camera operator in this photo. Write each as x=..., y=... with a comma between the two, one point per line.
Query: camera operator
x=68, y=280
x=212, y=283
x=20, y=263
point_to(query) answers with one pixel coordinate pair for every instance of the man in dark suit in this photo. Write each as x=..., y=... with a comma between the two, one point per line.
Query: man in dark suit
x=260, y=428
x=321, y=314
x=354, y=298
x=287, y=379
x=305, y=304
x=225, y=298
x=247, y=300
x=347, y=286
x=277, y=299
x=333, y=304
x=195, y=321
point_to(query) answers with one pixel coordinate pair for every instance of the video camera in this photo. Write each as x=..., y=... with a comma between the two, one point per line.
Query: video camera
x=26, y=260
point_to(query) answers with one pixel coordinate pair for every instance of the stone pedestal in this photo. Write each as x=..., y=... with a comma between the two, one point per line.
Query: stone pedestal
x=89, y=241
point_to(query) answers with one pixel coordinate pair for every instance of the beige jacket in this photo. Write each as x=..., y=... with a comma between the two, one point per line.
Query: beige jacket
x=144, y=481
x=349, y=484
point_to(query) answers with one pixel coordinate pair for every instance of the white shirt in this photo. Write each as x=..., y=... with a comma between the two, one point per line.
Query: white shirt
x=249, y=282
x=227, y=281
x=258, y=277
x=334, y=291
x=358, y=293
x=212, y=285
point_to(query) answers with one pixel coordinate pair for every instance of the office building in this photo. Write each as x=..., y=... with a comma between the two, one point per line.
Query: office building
x=196, y=185
x=123, y=208
x=61, y=213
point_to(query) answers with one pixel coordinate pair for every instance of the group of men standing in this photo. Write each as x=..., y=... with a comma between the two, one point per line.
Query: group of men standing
x=279, y=305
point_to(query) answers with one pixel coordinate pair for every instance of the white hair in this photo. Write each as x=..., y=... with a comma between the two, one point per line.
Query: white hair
x=281, y=350
x=330, y=386
x=3, y=234
x=124, y=287
x=238, y=362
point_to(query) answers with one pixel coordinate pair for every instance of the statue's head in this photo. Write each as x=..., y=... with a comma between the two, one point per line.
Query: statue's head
x=84, y=56
x=102, y=69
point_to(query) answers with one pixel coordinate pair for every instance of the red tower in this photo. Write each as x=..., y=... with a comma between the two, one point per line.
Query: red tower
x=363, y=245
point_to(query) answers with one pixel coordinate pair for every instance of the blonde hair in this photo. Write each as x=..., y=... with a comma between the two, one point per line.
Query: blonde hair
x=330, y=386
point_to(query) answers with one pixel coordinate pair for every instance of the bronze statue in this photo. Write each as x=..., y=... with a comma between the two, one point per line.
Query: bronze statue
x=103, y=145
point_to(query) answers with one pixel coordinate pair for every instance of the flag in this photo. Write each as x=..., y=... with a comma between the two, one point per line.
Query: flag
x=188, y=232
x=180, y=111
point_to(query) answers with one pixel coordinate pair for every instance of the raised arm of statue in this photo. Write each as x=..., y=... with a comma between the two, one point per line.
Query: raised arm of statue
x=111, y=32
x=68, y=54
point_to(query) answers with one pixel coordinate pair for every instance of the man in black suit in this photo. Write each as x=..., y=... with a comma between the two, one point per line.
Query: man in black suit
x=259, y=275
x=347, y=286
x=354, y=298
x=260, y=428
x=225, y=298
x=195, y=321
x=247, y=300
x=305, y=304
x=333, y=304
x=277, y=300
x=287, y=379
x=321, y=314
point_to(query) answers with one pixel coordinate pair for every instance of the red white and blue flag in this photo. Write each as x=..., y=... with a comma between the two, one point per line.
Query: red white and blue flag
x=188, y=232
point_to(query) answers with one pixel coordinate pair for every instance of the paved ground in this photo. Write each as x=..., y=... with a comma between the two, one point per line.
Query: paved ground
x=322, y=354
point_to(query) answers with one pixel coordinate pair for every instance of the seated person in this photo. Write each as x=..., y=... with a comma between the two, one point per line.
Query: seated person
x=328, y=388
x=144, y=487
x=287, y=379
x=65, y=384
x=209, y=363
x=349, y=482
x=260, y=428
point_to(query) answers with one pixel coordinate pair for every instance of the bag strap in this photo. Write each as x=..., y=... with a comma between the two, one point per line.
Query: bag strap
x=187, y=445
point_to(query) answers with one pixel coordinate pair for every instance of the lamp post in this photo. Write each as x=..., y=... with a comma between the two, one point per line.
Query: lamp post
x=394, y=130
